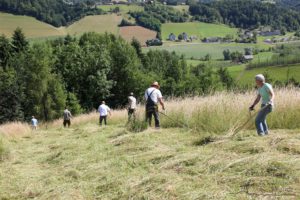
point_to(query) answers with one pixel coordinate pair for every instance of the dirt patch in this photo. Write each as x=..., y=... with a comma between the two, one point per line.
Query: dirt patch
x=140, y=33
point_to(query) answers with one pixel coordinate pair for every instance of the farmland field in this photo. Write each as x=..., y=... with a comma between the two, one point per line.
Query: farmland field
x=97, y=23
x=138, y=32
x=276, y=73
x=184, y=8
x=199, y=50
x=123, y=8
x=198, y=29
x=32, y=27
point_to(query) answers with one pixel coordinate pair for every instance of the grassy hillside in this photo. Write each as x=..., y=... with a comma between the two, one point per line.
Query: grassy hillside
x=197, y=29
x=97, y=23
x=89, y=162
x=32, y=27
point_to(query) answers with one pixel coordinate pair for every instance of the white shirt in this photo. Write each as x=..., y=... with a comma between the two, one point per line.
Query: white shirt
x=132, y=102
x=103, y=110
x=156, y=94
x=34, y=122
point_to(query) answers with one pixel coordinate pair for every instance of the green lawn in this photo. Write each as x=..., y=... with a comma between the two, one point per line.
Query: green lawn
x=123, y=8
x=198, y=29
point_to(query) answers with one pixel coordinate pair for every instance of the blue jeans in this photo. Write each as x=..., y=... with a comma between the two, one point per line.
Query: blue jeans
x=260, y=121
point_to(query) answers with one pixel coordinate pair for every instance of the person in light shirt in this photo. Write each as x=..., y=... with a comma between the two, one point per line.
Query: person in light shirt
x=266, y=96
x=131, y=106
x=34, y=123
x=153, y=97
x=104, y=110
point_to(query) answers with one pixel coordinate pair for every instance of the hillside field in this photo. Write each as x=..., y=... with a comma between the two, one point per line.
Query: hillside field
x=98, y=23
x=90, y=162
x=140, y=33
x=32, y=27
x=201, y=30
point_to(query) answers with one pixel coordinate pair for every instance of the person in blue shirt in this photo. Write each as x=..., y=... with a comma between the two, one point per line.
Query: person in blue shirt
x=266, y=96
x=34, y=123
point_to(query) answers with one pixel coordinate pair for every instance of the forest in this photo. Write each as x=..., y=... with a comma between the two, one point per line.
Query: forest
x=246, y=14
x=55, y=12
x=42, y=78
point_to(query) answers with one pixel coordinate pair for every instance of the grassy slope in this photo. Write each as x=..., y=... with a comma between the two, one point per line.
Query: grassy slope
x=99, y=24
x=197, y=29
x=32, y=27
x=36, y=29
x=86, y=162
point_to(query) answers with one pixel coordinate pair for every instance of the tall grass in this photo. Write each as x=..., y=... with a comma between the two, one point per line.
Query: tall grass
x=219, y=113
x=15, y=129
x=223, y=112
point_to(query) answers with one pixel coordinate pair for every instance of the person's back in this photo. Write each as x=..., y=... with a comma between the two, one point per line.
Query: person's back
x=131, y=102
x=67, y=114
x=67, y=118
x=34, y=123
x=104, y=110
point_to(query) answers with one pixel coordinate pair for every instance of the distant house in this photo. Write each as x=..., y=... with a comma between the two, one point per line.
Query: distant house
x=172, y=37
x=248, y=57
x=270, y=33
x=212, y=39
x=185, y=36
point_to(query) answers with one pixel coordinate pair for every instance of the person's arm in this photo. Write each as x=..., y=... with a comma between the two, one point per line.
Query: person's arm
x=256, y=101
x=161, y=101
x=272, y=95
x=108, y=110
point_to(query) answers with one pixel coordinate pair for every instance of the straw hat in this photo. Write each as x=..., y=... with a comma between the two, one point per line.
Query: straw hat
x=155, y=84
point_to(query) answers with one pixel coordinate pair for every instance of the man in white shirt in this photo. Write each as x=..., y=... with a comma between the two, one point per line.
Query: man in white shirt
x=153, y=96
x=104, y=110
x=34, y=123
x=131, y=106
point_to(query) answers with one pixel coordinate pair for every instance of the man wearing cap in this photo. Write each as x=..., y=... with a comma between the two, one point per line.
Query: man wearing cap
x=153, y=96
x=131, y=106
x=266, y=95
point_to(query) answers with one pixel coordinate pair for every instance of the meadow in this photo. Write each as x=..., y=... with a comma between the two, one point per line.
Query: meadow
x=194, y=162
x=199, y=50
x=199, y=29
x=99, y=23
x=32, y=27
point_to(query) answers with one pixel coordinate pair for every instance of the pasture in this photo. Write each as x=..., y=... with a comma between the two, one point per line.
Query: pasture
x=199, y=29
x=97, y=23
x=199, y=50
x=31, y=27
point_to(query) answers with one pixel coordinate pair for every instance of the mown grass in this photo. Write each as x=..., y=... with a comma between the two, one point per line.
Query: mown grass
x=199, y=29
x=87, y=161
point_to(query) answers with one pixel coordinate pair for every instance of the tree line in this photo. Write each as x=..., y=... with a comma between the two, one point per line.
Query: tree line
x=55, y=12
x=246, y=14
x=156, y=14
x=42, y=78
